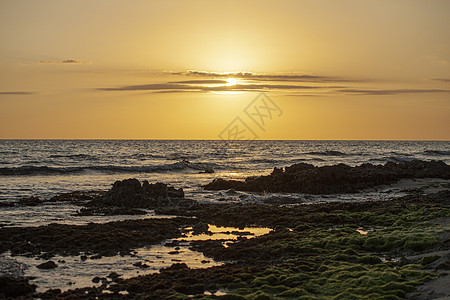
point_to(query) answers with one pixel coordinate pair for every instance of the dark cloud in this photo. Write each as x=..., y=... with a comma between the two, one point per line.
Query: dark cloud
x=152, y=87
x=188, y=86
x=71, y=61
x=392, y=92
x=208, y=81
x=267, y=77
x=66, y=61
x=17, y=93
x=248, y=82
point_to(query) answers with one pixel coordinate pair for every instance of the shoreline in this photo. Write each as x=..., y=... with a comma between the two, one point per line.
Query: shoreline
x=260, y=254
x=341, y=250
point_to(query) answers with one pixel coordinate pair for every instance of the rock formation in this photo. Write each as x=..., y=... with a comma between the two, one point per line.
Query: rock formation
x=341, y=178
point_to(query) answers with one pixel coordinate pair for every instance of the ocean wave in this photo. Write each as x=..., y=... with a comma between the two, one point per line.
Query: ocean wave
x=49, y=170
x=326, y=153
x=73, y=156
x=392, y=158
x=399, y=159
x=263, y=160
x=399, y=154
x=181, y=156
x=9, y=152
x=143, y=156
x=436, y=152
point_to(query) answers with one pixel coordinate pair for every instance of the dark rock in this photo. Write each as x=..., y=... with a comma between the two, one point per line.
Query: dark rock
x=113, y=276
x=47, y=255
x=96, y=279
x=91, y=239
x=78, y=197
x=109, y=211
x=129, y=193
x=306, y=178
x=15, y=287
x=30, y=201
x=47, y=265
x=175, y=267
x=200, y=227
x=141, y=265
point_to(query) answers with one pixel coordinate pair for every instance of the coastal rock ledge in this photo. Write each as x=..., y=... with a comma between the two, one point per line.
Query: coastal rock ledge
x=341, y=178
x=130, y=193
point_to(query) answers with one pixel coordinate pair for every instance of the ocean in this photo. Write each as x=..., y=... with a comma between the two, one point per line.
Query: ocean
x=45, y=168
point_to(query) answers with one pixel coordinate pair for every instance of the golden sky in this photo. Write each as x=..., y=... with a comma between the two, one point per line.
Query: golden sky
x=196, y=69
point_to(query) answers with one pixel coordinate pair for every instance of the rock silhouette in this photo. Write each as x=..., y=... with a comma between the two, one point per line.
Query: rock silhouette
x=130, y=193
x=341, y=178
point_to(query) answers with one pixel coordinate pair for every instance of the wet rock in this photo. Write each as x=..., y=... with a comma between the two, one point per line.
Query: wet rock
x=47, y=255
x=30, y=201
x=130, y=193
x=341, y=178
x=141, y=265
x=200, y=228
x=78, y=197
x=109, y=211
x=175, y=267
x=114, y=276
x=47, y=265
x=92, y=239
x=15, y=287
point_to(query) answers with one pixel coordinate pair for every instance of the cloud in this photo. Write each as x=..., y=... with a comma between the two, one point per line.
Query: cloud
x=266, y=77
x=446, y=80
x=292, y=84
x=210, y=81
x=71, y=61
x=392, y=92
x=152, y=87
x=246, y=81
x=17, y=93
x=65, y=61
x=189, y=86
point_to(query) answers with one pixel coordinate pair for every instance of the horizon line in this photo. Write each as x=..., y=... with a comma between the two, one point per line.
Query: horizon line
x=181, y=139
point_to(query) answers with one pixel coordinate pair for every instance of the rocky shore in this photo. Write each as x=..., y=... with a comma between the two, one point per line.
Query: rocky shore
x=307, y=178
x=342, y=250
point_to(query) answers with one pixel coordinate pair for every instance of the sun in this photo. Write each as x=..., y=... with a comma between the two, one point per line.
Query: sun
x=231, y=81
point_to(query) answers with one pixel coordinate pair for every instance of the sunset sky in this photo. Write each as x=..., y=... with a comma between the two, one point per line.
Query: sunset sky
x=187, y=69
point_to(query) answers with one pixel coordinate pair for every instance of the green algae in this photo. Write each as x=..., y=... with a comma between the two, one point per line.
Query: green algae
x=429, y=259
x=338, y=251
x=340, y=263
